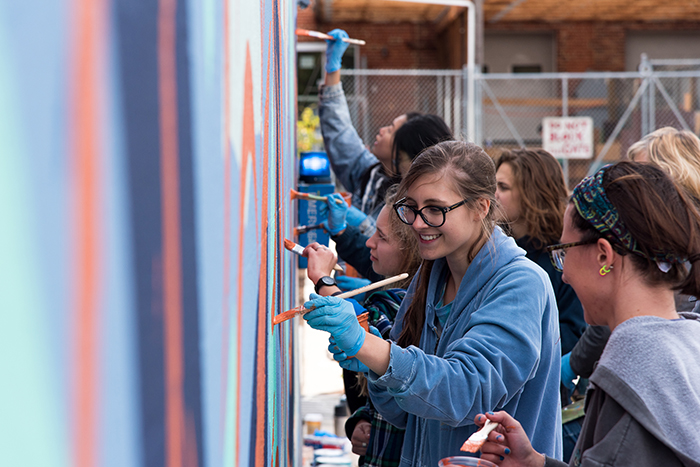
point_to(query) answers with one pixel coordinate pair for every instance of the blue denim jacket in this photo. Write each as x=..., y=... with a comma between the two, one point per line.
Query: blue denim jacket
x=499, y=350
x=353, y=164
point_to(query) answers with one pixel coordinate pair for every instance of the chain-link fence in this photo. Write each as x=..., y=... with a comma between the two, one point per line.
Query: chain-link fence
x=510, y=108
x=376, y=97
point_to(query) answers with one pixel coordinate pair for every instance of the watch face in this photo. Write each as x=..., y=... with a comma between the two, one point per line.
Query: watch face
x=324, y=281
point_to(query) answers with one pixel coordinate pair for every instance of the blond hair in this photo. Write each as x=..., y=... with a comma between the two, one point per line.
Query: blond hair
x=676, y=152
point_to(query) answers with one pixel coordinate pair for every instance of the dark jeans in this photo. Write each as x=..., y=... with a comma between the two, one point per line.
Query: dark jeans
x=570, y=432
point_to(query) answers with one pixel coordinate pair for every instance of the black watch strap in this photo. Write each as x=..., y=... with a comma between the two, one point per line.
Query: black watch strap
x=325, y=281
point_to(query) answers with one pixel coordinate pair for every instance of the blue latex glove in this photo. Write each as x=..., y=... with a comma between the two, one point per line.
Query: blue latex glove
x=336, y=316
x=346, y=283
x=354, y=216
x=336, y=214
x=335, y=50
x=341, y=357
x=359, y=309
x=567, y=374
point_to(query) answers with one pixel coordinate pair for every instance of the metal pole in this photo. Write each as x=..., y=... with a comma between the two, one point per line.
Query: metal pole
x=564, y=113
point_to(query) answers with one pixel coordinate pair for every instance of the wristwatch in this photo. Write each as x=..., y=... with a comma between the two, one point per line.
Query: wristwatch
x=325, y=281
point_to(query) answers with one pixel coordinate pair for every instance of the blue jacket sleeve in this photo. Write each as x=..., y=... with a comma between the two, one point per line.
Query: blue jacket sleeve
x=351, y=248
x=484, y=369
x=349, y=157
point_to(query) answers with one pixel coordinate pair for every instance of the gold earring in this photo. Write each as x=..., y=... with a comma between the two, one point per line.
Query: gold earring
x=605, y=269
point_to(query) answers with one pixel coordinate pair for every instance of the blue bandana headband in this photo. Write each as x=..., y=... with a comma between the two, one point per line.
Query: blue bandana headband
x=593, y=205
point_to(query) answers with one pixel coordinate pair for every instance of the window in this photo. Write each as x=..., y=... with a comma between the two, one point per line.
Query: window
x=527, y=69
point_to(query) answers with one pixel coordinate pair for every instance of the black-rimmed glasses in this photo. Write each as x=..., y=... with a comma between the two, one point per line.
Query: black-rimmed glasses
x=434, y=216
x=557, y=252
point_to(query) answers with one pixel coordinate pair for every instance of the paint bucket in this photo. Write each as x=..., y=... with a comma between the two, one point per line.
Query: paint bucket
x=328, y=452
x=340, y=416
x=313, y=422
x=347, y=197
x=333, y=461
x=460, y=461
x=363, y=321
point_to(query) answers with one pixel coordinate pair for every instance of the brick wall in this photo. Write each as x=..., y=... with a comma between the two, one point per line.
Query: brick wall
x=580, y=46
x=389, y=45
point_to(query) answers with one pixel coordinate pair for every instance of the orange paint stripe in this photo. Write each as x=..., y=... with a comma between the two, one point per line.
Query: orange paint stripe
x=248, y=152
x=85, y=139
x=261, y=370
x=172, y=254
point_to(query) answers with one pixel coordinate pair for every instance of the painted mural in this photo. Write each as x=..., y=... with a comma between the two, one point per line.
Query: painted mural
x=146, y=156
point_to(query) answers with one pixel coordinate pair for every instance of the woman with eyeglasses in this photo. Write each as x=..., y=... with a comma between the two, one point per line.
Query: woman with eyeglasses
x=631, y=238
x=676, y=152
x=478, y=328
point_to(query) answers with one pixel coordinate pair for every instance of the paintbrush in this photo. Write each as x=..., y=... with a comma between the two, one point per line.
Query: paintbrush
x=299, y=195
x=302, y=229
x=477, y=439
x=320, y=35
x=299, y=250
x=300, y=310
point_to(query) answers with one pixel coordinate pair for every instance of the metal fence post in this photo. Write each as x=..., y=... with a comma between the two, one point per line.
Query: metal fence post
x=564, y=96
x=457, y=102
x=564, y=113
x=644, y=105
x=646, y=69
x=478, y=109
x=465, y=102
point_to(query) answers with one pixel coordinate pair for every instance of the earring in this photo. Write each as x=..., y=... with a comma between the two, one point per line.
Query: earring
x=605, y=269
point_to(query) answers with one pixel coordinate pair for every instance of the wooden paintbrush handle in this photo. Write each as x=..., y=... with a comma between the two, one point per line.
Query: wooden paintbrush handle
x=289, y=314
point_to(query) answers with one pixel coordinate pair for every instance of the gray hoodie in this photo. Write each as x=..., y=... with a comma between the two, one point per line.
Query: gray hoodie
x=643, y=407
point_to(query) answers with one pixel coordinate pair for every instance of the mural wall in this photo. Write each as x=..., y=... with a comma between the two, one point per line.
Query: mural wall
x=146, y=156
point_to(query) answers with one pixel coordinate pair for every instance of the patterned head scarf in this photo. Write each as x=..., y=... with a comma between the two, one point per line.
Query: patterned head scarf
x=593, y=204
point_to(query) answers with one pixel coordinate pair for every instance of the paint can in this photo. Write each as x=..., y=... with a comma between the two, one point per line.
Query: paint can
x=328, y=452
x=333, y=462
x=341, y=414
x=461, y=461
x=313, y=422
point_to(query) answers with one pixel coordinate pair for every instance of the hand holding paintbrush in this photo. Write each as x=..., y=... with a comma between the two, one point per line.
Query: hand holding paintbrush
x=503, y=440
x=299, y=250
x=300, y=310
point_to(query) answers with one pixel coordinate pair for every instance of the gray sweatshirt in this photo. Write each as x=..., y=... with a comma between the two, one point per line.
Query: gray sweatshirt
x=643, y=406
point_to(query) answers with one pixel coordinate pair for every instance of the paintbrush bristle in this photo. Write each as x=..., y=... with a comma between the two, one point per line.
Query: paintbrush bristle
x=289, y=314
x=477, y=439
x=472, y=446
x=288, y=244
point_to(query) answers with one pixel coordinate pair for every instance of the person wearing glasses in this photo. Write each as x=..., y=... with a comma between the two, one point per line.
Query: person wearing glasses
x=631, y=238
x=532, y=193
x=676, y=152
x=478, y=329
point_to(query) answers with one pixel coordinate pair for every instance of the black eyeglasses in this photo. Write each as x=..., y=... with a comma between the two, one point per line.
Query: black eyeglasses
x=434, y=216
x=557, y=252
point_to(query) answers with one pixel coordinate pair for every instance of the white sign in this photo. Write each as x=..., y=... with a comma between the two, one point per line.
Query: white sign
x=568, y=137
